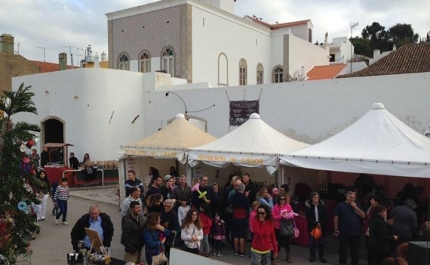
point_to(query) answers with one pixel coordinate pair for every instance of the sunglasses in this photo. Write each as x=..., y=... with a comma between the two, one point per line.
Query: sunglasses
x=261, y=213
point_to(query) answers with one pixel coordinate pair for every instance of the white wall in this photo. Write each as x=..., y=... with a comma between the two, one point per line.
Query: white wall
x=100, y=92
x=237, y=40
x=300, y=31
x=309, y=111
x=307, y=54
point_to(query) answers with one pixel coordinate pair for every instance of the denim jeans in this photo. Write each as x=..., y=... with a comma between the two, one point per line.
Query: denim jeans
x=62, y=205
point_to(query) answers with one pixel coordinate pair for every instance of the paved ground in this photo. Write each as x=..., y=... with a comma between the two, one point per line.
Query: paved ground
x=54, y=242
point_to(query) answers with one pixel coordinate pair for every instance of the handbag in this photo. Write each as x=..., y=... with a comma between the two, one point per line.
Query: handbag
x=287, y=228
x=316, y=233
x=159, y=259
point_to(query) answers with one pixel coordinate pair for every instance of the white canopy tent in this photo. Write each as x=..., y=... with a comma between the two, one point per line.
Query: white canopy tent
x=253, y=144
x=170, y=142
x=378, y=143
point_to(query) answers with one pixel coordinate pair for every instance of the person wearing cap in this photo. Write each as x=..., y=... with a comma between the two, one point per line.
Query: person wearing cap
x=167, y=189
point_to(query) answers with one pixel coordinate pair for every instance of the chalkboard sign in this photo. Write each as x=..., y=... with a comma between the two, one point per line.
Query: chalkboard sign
x=241, y=110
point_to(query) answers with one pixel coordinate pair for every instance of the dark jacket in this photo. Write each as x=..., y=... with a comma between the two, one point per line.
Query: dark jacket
x=405, y=222
x=310, y=215
x=240, y=205
x=78, y=230
x=196, y=201
x=182, y=194
x=172, y=218
x=74, y=162
x=252, y=192
x=166, y=192
x=131, y=236
x=380, y=235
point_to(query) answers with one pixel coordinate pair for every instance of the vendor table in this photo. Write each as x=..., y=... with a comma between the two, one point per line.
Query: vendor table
x=55, y=174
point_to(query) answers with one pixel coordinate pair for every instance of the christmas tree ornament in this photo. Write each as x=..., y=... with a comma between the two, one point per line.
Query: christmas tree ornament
x=22, y=206
x=30, y=143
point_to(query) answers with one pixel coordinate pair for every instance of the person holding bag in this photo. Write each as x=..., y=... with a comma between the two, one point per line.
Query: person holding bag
x=192, y=231
x=316, y=214
x=154, y=236
x=283, y=213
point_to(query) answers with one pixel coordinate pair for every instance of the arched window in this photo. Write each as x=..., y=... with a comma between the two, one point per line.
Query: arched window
x=278, y=74
x=145, y=62
x=260, y=74
x=222, y=69
x=168, y=61
x=242, y=72
x=123, y=62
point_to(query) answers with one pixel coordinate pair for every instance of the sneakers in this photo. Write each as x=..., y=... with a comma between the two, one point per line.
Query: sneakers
x=242, y=254
x=323, y=260
x=219, y=254
x=65, y=223
x=312, y=259
x=236, y=253
x=57, y=221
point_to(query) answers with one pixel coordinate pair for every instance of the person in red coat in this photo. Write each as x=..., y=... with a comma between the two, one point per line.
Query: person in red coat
x=207, y=224
x=264, y=239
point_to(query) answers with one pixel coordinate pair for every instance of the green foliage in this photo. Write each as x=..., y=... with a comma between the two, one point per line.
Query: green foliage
x=15, y=225
x=375, y=36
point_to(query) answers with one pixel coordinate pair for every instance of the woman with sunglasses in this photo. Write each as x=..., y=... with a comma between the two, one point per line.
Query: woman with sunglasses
x=192, y=231
x=282, y=210
x=264, y=240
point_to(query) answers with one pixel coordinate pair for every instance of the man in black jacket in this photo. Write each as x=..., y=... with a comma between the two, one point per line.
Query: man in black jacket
x=94, y=220
x=131, y=237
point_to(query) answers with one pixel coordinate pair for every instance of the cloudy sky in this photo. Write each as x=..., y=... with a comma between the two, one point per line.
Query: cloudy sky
x=51, y=24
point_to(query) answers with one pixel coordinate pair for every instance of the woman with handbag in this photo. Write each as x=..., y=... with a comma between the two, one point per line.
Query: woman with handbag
x=192, y=231
x=282, y=212
x=264, y=240
x=316, y=214
x=154, y=236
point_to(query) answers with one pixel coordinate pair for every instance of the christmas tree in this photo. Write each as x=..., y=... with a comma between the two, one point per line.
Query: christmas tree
x=16, y=197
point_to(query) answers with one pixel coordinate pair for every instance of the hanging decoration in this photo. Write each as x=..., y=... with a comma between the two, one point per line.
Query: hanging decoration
x=22, y=206
x=30, y=143
x=23, y=148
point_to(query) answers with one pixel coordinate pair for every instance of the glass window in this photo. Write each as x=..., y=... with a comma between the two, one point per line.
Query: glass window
x=242, y=72
x=168, y=61
x=145, y=63
x=278, y=74
x=260, y=74
x=123, y=63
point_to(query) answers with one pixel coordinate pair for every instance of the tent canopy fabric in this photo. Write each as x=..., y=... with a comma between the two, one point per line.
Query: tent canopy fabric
x=253, y=144
x=170, y=142
x=378, y=143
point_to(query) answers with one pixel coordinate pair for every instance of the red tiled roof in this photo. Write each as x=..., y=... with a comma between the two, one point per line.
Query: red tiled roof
x=48, y=67
x=325, y=71
x=410, y=58
x=279, y=25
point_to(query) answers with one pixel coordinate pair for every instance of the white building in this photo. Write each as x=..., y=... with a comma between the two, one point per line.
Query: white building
x=203, y=41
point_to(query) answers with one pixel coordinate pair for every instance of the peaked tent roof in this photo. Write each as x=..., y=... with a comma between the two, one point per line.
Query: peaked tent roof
x=378, y=143
x=410, y=58
x=253, y=144
x=171, y=141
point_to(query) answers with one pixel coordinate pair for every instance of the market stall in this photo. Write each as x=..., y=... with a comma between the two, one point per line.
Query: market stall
x=168, y=144
x=378, y=144
x=253, y=144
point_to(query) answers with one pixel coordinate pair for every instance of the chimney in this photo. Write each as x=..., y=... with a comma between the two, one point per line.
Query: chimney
x=7, y=43
x=376, y=53
x=62, y=61
x=96, y=62
x=103, y=56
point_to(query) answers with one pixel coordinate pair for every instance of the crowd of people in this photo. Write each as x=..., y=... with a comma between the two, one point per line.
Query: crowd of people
x=201, y=218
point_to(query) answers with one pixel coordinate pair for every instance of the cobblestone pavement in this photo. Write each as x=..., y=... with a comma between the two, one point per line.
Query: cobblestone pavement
x=53, y=243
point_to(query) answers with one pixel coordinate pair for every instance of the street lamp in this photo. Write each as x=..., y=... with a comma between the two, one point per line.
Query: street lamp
x=185, y=105
x=353, y=25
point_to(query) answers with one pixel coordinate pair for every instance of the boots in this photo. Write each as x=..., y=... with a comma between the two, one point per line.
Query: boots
x=288, y=258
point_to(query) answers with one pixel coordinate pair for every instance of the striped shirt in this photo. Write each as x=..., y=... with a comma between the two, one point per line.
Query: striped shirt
x=62, y=193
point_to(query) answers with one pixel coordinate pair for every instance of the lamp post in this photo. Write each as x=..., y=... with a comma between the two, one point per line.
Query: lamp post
x=353, y=25
x=185, y=105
